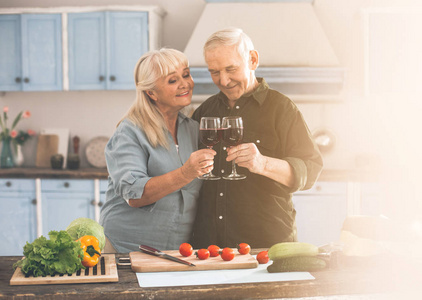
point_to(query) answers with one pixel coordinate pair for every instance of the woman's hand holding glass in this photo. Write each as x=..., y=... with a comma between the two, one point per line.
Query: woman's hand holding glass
x=199, y=163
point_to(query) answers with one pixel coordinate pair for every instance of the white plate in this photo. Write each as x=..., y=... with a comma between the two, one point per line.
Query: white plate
x=94, y=152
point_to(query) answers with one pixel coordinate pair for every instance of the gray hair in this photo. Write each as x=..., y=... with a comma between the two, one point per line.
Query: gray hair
x=229, y=37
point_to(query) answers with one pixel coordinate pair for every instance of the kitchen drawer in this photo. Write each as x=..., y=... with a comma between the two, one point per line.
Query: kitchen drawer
x=17, y=185
x=325, y=188
x=71, y=185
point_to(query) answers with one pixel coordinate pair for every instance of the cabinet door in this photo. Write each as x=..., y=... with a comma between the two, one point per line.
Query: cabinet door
x=104, y=48
x=127, y=41
x=10, y=53
x=41, y=52
x=18, y=223
x=87, y=51
x=320, y=213
x=64, y=201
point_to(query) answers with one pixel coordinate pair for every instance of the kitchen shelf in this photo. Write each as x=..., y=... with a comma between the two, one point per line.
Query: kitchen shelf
x=43, y=173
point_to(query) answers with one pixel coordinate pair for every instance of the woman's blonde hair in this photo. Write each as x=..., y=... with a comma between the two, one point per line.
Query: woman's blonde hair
x=144, y=112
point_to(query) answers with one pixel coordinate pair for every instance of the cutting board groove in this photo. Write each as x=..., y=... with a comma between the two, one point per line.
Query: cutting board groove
x=142, y=262
x=104, y=271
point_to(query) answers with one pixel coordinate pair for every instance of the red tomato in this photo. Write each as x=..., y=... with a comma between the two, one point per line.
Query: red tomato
x=186, y=249
x=262, y=257
x=227, y=254
x=214, y=250
x=202, y=254
x=243, y=248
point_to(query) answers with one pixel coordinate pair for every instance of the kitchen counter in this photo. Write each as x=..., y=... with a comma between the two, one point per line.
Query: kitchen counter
x=380, y=280
x=355, y=175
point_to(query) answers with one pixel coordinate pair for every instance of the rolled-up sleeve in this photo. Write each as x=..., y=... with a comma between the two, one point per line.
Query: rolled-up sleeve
x=127, y=163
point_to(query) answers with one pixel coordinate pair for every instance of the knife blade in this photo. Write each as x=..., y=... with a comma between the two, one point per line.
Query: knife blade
x=156, y=252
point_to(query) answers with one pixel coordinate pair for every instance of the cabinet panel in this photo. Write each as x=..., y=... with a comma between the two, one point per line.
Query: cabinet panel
x=128, y=40
x=10, y=49
x=59, y=209
x=18, y=223
x=31, y=52
x=320, y=212
x=41, y=52
x=65, y=200
x=104, y=48
x=87, y=51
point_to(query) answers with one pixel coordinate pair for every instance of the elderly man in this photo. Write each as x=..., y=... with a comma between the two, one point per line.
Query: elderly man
x=278, y=155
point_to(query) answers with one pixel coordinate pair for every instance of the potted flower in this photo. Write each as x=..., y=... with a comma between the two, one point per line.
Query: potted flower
x=8, y=135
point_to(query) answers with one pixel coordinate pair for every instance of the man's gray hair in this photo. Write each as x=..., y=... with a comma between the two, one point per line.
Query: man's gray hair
x=229, y=37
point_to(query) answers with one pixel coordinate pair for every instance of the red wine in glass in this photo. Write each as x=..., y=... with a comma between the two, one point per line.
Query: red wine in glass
x=210, y=137
x=209, y=134
x=233, y=136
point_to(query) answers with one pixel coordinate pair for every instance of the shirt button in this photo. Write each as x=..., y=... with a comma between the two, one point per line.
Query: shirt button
x=221, y=194
x=237, y=107
x=228, y=107
x=258, y=141
x=222, y=170
x=224, y=148
x=220, y=217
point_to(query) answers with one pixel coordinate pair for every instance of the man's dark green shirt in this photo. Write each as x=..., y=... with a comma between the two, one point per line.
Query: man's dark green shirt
x=257, y=210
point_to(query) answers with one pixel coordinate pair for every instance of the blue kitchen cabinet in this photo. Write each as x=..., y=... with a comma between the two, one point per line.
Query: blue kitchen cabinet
x=30, y=52
x=18, y=219
x=104, y=48
x=320, y=212
x=64, y=201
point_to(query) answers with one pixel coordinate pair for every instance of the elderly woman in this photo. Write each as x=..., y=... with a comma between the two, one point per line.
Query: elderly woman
x=153, y=160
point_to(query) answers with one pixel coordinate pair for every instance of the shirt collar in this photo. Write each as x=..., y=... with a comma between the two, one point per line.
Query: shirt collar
x=259, y=94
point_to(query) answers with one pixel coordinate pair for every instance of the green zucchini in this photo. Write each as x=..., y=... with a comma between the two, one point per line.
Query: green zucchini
x=290, y=249
x=297, y=264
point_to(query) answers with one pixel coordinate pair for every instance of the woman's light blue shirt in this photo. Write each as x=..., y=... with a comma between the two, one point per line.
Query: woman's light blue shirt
x=131, y=162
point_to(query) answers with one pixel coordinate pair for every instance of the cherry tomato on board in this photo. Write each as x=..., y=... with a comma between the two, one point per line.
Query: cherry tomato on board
x=186, y=249
x=243, y=248
x=202, y=254
x=214, y=250
x=262, y=257
x=227, y=254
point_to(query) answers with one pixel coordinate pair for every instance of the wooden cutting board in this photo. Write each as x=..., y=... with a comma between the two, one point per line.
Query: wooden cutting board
x=48, y=145
x=142, y=262
x=104, y=271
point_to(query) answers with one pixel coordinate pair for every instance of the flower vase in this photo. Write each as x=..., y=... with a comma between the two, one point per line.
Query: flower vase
x=18, y=157
x=6, y=155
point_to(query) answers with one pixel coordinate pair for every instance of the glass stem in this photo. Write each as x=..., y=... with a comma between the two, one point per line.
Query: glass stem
x=234, y=172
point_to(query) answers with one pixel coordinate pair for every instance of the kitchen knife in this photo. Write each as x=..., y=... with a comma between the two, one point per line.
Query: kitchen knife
x=158, y=253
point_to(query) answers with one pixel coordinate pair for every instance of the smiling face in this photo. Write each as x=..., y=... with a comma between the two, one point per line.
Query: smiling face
x=230, y=72
x=174, y=91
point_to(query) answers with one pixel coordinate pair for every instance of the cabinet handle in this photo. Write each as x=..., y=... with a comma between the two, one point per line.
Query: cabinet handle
x=8, y=184
x=112, y=78
x=100, y=204
x=66, y=184
x=34, y=201
x=101, y=78
x=26, y=80
x=18, y=80
x=93, y=202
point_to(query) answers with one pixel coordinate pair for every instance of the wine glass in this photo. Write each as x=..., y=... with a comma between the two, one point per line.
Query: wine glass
x=233, y=135
x=209, y=134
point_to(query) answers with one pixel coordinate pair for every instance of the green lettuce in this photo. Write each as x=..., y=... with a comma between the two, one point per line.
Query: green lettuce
x=58, y=255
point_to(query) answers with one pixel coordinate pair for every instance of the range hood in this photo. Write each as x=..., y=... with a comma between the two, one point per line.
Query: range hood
x=296, y=57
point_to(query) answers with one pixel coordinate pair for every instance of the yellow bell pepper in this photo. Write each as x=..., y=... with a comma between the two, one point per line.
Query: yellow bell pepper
x=92, y=252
